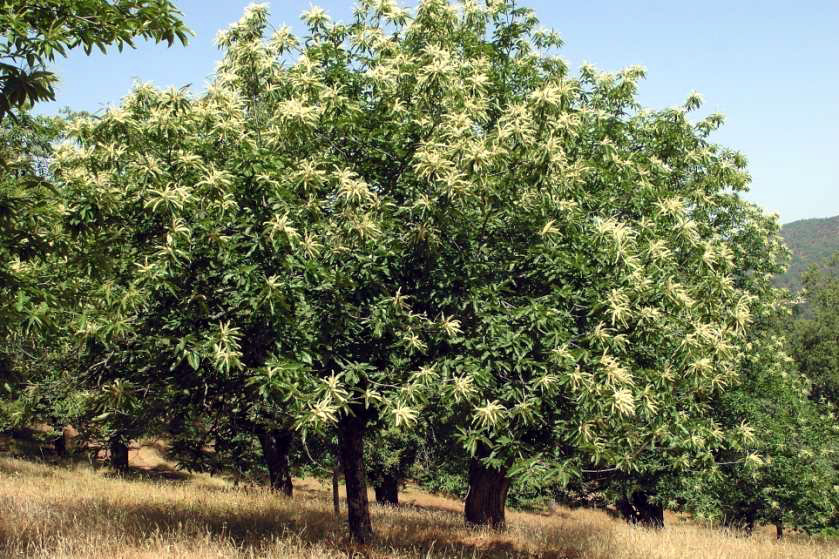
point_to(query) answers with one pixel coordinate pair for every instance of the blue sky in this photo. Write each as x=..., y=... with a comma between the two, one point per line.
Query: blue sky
x=771, y=67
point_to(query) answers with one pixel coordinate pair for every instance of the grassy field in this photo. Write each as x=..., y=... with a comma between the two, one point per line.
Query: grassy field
x=77, y=512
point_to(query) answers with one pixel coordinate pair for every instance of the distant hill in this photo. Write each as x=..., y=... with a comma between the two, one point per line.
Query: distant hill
x=810, y=241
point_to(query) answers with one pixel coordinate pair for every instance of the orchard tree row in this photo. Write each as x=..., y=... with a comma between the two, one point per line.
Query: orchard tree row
x=417, y=232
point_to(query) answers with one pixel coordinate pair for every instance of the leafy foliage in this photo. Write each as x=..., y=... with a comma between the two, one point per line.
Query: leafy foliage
x=815, y=336
x=30, y=288
x=29, y=211
x=35, y=31
x=35, y=279
x=787, y=474
x=415, y=216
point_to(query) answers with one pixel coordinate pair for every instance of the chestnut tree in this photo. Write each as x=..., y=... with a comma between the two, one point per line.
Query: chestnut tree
x=427, y=204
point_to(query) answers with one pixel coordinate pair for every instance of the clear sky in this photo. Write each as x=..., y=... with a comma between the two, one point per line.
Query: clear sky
x=772, y=67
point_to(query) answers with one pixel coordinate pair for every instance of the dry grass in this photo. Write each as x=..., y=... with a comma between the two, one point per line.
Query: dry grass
x=75, y=512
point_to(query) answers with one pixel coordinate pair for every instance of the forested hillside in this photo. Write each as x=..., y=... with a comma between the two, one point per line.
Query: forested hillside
x=810, y=241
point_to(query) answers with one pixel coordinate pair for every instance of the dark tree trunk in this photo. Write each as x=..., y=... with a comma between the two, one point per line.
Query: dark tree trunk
x=276, y=444
x=119, y=454
x=60, y=445
x=387, y=491
x=637, y=509
x=650, y=514
x=336, y=497
x=351, y=450
x=779, y=530
x=750, y=522
x=626, y=510
x=487, y=494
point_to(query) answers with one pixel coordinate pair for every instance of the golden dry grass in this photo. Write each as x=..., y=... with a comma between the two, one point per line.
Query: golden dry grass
x=75, y=512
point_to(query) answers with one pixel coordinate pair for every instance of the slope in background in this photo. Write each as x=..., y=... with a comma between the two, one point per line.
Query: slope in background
x=811, y=241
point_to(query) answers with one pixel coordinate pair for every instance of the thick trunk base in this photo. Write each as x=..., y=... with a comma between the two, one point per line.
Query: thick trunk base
x=276, y=444
x=637, y=509
x=60, y=445
x=487, y=496
x=119, y=455
x=387, y=491
x=351, y=450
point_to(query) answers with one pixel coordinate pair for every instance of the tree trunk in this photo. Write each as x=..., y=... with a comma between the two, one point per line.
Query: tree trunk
x=487, y=494
x=60, y=445
x=119, y=454
x=351, y=450
x=649, y=514
x=276, y=444
x=387, y=491
x=637, y=509
x=779, y=530
x=750, y=522
x=336, y=497
x=626, y=510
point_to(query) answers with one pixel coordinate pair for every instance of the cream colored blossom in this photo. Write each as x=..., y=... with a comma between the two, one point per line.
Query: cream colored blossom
x=489, y=414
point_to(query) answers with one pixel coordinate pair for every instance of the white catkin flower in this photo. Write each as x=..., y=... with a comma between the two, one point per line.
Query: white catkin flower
x=547, y=382
x=619, y=309
x=489, y=414
x=615, y=373
x=351, y=188
x=423, y=376
x=701, y=367
x=742, y=313
x=439, y=65
x=549, y=229
x=550, y=95
x=310, y=245
x=620, y=233
x=561, y=354
x=280, y=224
x=450, y=325
x=650, y=315
x=754, y=460
x=315, y=15
x=623, y=402
x=579, y=379
x=657, y=250
x=324, y=411
x=404, y=415
x=673, y=207
x=746, y=431
x=463, y=388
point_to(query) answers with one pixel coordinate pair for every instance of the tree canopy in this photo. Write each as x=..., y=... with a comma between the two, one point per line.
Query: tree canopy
x=413, y=208
x=32, y=239
x=34, y=32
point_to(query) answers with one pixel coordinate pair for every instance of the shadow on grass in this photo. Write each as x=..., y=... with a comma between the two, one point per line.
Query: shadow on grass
x=43, y=472
x=135, y=524
x=408, y=530
x=45, y=466
x=155, y=473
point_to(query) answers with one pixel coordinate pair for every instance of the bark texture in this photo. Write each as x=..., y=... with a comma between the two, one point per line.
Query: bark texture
x=485, y=502
x=276, y=445
x=351, y=450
